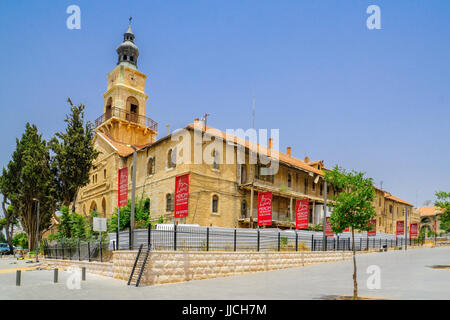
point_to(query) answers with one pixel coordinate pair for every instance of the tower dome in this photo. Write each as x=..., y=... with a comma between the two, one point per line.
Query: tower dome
x=128, y=52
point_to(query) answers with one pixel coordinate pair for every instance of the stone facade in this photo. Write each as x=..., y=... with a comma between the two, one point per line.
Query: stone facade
x=223, y=195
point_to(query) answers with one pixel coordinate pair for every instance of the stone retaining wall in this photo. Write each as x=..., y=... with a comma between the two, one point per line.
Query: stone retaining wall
x=100, y=268
x=169, y=266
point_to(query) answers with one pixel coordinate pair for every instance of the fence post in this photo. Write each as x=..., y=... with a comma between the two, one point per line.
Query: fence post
x=89, y=251
x=257, y=240
x=149, y=236
x=100, y=248
x=175, y=237
x=235, y=238
x=79, y=251
x=130, y=245
x=117, y=237
x=279, y=241
x=296, y=240
x=63, y=251
x=337, y=243
x=334, y=244
x=360, y=244
x=207, y=238
x=326, y=243
x=312, y=242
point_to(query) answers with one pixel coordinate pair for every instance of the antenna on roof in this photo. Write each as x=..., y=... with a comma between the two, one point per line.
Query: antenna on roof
x=205, y=117
x=381, y=184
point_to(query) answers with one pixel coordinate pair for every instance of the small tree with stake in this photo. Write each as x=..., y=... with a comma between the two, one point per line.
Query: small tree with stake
x=353, y=206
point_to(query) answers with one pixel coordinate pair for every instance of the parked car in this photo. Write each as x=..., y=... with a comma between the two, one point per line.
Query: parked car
x=4, y=248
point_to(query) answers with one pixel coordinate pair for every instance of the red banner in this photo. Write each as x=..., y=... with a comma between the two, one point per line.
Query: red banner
x=181, y=196
x=264, y=208
x=302, y=212
x=373, y=232
x=328, y=231
x=400, y=228
x=122, y=198
x=413, y=230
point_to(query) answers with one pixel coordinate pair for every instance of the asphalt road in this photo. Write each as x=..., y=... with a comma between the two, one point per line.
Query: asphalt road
x=403, y=275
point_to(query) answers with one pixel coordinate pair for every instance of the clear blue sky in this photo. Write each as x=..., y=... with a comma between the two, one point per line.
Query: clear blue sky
x=372, y=100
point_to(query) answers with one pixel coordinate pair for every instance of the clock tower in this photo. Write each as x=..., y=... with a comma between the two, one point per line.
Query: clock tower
x=124, y=115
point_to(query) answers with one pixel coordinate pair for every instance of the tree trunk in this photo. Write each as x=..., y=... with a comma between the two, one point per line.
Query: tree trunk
x=74, y=201
x=9, y=227
x=355, y=283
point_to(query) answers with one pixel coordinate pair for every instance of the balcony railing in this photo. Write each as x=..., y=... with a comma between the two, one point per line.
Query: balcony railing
x=121, y=114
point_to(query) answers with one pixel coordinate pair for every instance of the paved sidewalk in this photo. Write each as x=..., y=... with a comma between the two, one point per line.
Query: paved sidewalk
x=404, y=275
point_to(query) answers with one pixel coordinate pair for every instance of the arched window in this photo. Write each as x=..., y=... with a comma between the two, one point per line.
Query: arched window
x=104, y=207
x=244, y=209
x=104, y=174
x=172, y=158
x=93, y=207
x=215, y=159
x=215, y=204
x=151, y=166
x=169, y=202
x=108, y=109
x=132, y=109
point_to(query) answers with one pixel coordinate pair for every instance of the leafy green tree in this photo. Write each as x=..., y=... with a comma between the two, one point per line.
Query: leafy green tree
x=27, y=177
x=71, y=225
x=20, y=240
x=8, y=222
x=353, y=206
x=2, y=235
x=74, y=154
x=443, y=202
x=141, y=215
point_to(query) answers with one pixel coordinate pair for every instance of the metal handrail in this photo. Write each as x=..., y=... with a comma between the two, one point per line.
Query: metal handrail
x=122, y=114
x=142, y=268
x=135, y=263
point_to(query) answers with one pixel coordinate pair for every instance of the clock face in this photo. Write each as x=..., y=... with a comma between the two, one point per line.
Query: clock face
x=133, y=79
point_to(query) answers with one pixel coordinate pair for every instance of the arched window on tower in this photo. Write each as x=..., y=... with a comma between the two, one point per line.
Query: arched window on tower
x=108, y=109
x=132, y=109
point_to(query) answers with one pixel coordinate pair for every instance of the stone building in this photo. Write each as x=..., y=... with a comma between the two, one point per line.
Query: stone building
x=221, y=193
x=429, y=217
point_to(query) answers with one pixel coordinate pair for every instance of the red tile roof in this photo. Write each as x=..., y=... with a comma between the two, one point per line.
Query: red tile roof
x=257, y=148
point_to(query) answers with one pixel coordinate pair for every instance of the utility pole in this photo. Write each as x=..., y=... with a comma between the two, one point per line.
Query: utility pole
x=324, y=242
x=205, y=118
x=406, y=227
x=133, y=192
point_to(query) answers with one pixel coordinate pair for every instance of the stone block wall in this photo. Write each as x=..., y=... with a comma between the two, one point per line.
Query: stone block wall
x=168, y=266
x=101, y=268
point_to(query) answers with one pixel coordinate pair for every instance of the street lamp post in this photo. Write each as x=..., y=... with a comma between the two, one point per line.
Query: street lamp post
x=133, y=192
x=37, y=229
x=406, y=228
